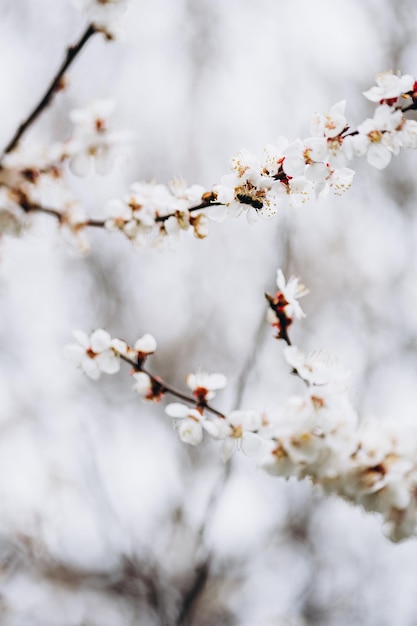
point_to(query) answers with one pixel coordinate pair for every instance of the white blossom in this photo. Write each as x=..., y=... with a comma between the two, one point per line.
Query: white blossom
x=93, y=140
x=191, y=423
x=143, y=384
x=205, y=385
x=407, y=135
x=330, y=125
x=153, y=212
x=94, y=354
x=316, y=368
x=292, y=290
x=389, y=86
x=240, y=431
x=146, y=344
x=248, y=190
x=377, y=137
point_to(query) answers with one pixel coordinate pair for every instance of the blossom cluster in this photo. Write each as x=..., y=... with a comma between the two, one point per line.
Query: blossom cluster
x=33, y=179
x=100, y=354
x=318, y=436
x=315, y=435
x=292, y=171
x=151, y=212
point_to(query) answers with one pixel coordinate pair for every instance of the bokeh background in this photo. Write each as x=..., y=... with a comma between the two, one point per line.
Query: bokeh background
x=105, y=518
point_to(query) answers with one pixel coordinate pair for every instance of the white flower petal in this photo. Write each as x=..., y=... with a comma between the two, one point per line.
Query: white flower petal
x=176, y=409
x=100, y=340
x=217, y=213
x=119, y=345
x=80, y=164
x=91, y=368
x=143, y=384
x=108, y=362
x=378, y=156
x=251, y=444
x=216, y=381
x=228, y=448
x=104, y=162
x=190, y=432
x=211, y=428
x=252, y=215
x=146, y=344
x=280, y=280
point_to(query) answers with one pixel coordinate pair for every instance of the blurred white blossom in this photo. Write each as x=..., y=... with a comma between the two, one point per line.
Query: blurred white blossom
x=94, y=354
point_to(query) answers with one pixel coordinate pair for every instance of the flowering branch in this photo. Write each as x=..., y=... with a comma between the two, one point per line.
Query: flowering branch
x=56, y=85
x=30, y=207
x=99, y=353
x=151, y=213
x=159, y=387
x=316, y=435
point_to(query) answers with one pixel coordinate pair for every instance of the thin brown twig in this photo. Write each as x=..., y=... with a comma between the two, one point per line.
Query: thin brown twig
x=283, y=320
x=30, y=207
x=54, y=87
x=203, y=205
x=165, y=388
x=161, y=218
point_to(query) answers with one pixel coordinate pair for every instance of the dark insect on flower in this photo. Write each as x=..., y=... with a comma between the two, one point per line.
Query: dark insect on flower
x=244, y=199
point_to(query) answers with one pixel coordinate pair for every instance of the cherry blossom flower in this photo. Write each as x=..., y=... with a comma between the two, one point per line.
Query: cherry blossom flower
x=277, y=462
x=205, y=385
x=338, y=180
x=143, y=384
x=147, y=387
x=248, y=190
x=312, y=436
x=292, y=290
x=144, y=347
x=191, y=423
x=274, y=156
x=284, y=306
x=151, y=212
x=240, y=431
x=303, y=157
x=190, y=195
x=32, y=157
x=146, y=344
x=200, y=225
x=377, y=137
x=93, y=141
x=330, y=125
x=316, y=368
x=389, y=87
x=132, y=216
x=94, y=354
x=407, y=134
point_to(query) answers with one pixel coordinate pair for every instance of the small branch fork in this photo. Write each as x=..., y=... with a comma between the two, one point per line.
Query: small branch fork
x=56, y=84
